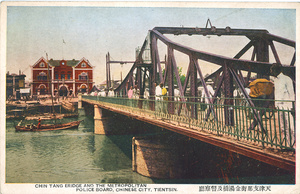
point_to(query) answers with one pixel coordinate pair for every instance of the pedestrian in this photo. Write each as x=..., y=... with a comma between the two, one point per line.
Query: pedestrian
x=129, y=94
x=284, y=101
x=135, y=95
x=39, y=123
x=164, y=93
x=158, y=92
x=146, y=94
x=211, y=92
x=111, y=92
x=158, y=97
x=206, y=99
x=261, y=89
x=136, y=92
x=71, y=93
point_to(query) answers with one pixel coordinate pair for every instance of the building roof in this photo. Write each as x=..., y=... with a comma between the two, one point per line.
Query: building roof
x=71, y=63
x=15, y=75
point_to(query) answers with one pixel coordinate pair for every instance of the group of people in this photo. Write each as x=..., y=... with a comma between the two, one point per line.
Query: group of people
x=280, y=95
x=69, y=95
x=133, y=93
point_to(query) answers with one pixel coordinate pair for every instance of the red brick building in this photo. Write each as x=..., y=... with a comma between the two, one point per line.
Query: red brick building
x=62, y=76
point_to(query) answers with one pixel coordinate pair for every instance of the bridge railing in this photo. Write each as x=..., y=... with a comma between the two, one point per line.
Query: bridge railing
x=276, y=129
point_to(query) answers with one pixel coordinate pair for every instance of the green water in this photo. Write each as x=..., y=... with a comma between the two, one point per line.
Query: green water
x=80, y=156
x=69, y=156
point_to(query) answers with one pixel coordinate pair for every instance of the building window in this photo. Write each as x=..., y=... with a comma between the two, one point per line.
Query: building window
x=63, y=63
x=42, y=76
x=62, y=75
x=83, y=76
x=42, y=64
x=56, y=76
x=43, y=89
x=69, y=75
x=83, y=88
x=83, y=64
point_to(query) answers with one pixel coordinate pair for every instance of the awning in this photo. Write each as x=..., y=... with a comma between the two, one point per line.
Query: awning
x=25, y=90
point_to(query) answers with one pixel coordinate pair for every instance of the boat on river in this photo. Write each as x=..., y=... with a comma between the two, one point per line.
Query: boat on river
x=51, y=116
x=48, y=127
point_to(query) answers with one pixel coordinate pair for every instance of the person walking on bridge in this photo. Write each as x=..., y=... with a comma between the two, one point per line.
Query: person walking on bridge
x=284, y=101
x=136, y=92
x=158, y=97
x=164, y=93
x=111, y=92
x=129, y=94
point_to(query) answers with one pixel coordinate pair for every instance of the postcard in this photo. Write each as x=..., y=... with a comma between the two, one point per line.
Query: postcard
x=148, y=97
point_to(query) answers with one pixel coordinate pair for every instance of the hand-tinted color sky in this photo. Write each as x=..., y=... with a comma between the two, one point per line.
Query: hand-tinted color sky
x=91, y=32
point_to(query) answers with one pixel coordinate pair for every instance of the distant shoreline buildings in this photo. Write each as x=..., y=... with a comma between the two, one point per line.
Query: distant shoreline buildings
x=61, y=76
x=14, y=84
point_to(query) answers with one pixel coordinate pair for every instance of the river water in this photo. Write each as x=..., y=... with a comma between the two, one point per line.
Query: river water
x=68, y=156
x=80, y=156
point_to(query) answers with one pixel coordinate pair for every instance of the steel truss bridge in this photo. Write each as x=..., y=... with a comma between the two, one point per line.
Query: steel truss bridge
x=222, y=115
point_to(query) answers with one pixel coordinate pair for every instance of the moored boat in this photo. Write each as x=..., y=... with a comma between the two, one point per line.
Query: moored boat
x=48, y=127
x=51, y=116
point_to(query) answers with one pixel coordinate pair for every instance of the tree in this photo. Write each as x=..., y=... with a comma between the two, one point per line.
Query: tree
x=181, y=76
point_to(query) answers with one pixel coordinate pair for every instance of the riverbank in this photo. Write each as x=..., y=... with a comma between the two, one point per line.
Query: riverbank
x=21, y=109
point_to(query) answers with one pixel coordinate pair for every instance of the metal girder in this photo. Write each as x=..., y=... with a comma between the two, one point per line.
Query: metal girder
x=123, y=84
x=193, y=86
x=262, y=53
x=152, y=71
x=108, y=81
x=224, y=31
x=247, y=97
x=213, y=74
x=244, y=50
x=181, y=91
x=280, y=39
x=171, y=107
x=121, y=62
x=293, y=60
x=246, y=65
x=144, y=65
x=274, y=52
x=208, y=31
x=158, y=65
x=215, y=96
x=228, y=90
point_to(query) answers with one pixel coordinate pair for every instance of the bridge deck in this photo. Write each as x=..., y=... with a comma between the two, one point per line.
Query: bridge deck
x=252, y=149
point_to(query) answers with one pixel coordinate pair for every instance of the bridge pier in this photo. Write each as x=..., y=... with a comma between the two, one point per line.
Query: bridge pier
x=101, y=121
x=80, y=101
x=156, y=159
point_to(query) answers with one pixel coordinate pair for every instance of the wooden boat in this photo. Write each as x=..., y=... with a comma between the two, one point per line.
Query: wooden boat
x=51, y=116
x=48, y=127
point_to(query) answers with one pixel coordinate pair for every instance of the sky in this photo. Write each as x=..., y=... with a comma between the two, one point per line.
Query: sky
x=92, y=31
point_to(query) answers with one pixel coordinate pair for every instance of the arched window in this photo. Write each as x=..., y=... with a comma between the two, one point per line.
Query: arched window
x=42, y=76
x=83, y=76
x=42, y=64
x=83, y=64
x=43, y=89
x=83, y=88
